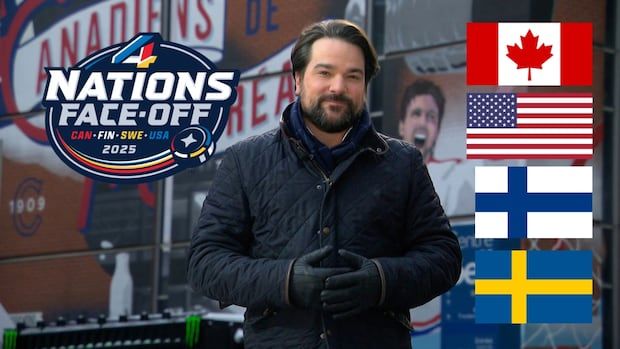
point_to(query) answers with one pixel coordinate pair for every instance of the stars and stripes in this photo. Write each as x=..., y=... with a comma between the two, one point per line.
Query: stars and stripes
x=529, y=126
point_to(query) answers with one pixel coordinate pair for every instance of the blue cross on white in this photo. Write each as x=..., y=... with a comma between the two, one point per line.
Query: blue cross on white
x=533, y=202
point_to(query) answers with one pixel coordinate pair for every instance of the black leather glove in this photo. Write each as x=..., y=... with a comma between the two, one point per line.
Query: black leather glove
x=351, y=293
x=307, y=280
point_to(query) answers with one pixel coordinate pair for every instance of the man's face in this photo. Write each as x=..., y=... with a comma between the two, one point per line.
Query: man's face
x=332, y=86
x=421, y=124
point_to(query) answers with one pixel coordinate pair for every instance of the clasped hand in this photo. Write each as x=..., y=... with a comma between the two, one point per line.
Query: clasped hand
x=342, y=292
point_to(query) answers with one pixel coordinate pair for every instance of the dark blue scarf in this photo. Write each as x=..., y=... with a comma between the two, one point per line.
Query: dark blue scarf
x=328, y=158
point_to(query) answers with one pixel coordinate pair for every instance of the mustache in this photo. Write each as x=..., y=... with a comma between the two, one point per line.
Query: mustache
x=336, y=98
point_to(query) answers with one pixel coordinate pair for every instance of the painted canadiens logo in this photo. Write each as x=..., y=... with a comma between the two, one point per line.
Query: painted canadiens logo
x=138, y=111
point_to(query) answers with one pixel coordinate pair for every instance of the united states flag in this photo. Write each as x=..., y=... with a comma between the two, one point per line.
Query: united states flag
x=529, y=126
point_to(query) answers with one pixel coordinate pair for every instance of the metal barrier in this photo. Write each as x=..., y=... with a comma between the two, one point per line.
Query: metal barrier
x=213, y=330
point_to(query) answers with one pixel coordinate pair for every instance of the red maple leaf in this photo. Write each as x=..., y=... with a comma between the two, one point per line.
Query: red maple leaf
x=530, y=56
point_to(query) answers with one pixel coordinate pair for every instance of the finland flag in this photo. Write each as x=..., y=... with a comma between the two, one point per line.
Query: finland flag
x=533, y=202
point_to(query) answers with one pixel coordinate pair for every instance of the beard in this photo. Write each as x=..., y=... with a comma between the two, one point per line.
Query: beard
x=318, y=115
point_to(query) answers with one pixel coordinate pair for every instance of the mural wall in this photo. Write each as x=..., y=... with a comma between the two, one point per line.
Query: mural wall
x=69, y=245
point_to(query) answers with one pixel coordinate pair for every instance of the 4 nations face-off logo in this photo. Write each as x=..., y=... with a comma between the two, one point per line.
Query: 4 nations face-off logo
x=138, y=111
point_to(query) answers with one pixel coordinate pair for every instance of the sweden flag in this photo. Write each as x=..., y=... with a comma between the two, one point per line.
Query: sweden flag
x=533, y=287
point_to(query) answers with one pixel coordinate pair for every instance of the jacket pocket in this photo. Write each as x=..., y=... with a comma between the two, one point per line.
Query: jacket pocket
x=401, y=317
x=258, y=318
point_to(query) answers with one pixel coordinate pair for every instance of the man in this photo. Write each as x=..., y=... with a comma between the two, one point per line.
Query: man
x=421, y=112
x=326, y=231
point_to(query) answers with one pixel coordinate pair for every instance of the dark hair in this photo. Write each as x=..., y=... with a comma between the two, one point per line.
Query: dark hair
x=337, y=29
x=423, y=87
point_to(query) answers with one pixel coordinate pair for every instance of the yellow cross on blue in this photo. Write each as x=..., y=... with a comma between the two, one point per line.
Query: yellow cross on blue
x=533, y=287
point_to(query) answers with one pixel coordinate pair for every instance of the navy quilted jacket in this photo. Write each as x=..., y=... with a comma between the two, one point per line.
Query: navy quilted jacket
x=270, y=203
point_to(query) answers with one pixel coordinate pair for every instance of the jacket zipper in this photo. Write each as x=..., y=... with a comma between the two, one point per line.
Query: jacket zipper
x=328, y=183
x=327, y=180
x=318, y=168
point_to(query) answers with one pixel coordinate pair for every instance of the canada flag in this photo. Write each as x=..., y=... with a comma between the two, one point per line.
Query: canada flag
x=529, y=54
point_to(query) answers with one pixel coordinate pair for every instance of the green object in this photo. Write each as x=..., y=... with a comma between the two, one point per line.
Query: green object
x=10, y=339
x=192, y=330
